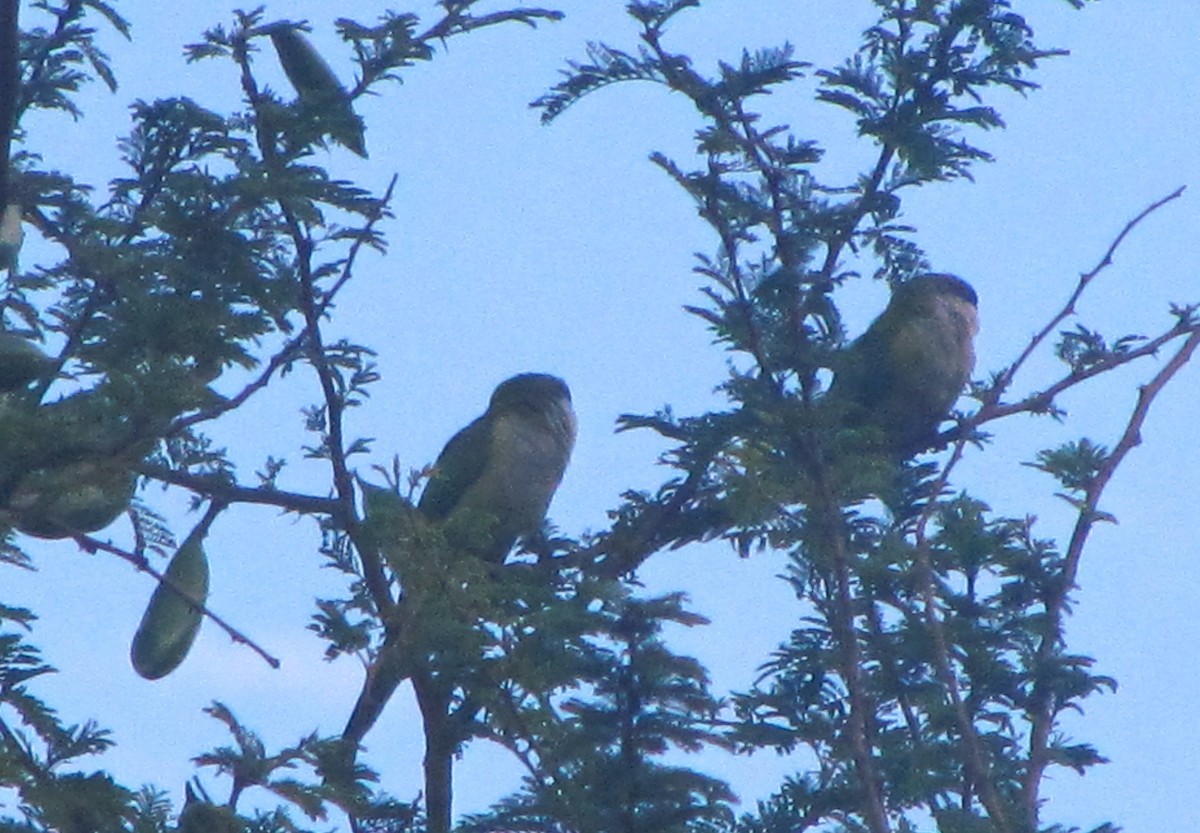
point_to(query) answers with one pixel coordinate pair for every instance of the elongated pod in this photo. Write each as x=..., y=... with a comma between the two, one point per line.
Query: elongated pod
x=171, y=621
x=21, y=361
x=317, y=85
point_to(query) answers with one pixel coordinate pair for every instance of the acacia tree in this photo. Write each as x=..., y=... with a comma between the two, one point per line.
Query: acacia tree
x=924, y=681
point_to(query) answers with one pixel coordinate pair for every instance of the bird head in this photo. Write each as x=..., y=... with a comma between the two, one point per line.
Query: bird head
x=923, y=288
x=529, y=390
x=537, y=395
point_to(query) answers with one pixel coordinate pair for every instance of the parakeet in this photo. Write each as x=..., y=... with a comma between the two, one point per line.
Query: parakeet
x=200, y=815
x=493, y=481
x=490, y=486
x=317, y=86
x=904, y=374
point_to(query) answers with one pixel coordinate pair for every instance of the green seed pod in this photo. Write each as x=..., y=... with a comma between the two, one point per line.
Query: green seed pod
x=11, y=236
x=171, y=622
x=79, y=497
x=317, y=86
x=20, y=361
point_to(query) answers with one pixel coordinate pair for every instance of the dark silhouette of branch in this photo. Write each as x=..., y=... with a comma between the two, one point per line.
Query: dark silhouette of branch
x=1043, y=719
x=10, y=85
x=1005, y=378
x=1045, y=706
x=218, y=488
x=313, y=305
x=456, y=21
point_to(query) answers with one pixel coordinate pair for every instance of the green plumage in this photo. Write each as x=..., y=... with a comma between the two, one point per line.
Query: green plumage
x=904, y=374
x=494, y=480
x=11, y=235
x=490, y=486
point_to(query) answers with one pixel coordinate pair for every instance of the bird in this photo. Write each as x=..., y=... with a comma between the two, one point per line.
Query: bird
x=490, y=486
x=903, y=375
x=494, y=480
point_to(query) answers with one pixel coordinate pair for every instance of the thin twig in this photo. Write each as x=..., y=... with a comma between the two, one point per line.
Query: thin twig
x=1045, y=706
x=1037, y=401
x=91, y=544
x=1006, y=376
x=992, y=409
x=975, y=760
x=313, y=309
x=455, y=22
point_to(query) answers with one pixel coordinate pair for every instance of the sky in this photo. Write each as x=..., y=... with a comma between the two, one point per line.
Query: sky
x=520, y=247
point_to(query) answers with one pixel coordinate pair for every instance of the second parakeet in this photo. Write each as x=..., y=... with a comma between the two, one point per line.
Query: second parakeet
x=904, y=374
x=317, y=86
x=490, y=486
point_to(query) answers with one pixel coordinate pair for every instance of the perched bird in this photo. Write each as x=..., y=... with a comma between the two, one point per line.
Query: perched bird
x=490, y=486
x=200, y=815
x=904, y=374
x=11, y=236
x=493, y=482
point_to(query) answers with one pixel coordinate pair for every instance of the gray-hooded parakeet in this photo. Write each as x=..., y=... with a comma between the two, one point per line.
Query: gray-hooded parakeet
x=904, y=374
x=493, y=482
x=490, y=486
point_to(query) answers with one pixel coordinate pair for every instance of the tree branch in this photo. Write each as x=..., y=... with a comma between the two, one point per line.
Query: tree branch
x=313, y=307
x=90, y=544
x=217, y=488
x=1006, y=376
x=10, y=85
x=1045, y=707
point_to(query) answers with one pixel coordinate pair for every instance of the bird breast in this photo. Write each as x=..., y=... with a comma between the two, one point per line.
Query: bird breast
x=530, y=453
x=955, y=323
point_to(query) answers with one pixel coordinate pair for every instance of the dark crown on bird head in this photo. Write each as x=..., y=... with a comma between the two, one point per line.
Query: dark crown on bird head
x=529, y=388
x=941, y=283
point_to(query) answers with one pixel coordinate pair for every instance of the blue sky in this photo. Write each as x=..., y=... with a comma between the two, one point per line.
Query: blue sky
x=519, y=247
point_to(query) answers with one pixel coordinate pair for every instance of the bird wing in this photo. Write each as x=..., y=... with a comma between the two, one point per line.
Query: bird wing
x=460, y=464
x=864, y=375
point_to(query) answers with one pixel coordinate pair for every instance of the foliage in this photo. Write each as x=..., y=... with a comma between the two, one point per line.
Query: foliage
x=925, y=678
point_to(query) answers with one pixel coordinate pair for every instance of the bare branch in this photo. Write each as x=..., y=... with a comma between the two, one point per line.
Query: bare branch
x=1042, y=718
x=1068, y=309
x=219, y=489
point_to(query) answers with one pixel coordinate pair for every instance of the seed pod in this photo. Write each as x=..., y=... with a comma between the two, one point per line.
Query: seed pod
x=171, y=621
x=80, y=497
x=20, y=361
x=317, y=86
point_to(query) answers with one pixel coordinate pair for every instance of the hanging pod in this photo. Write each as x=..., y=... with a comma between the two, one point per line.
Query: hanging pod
x=171, y=621
x=21, y=361
x=317, y=85
x=80, y=497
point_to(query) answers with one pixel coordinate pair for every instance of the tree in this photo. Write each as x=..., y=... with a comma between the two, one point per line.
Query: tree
x=924, y=683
